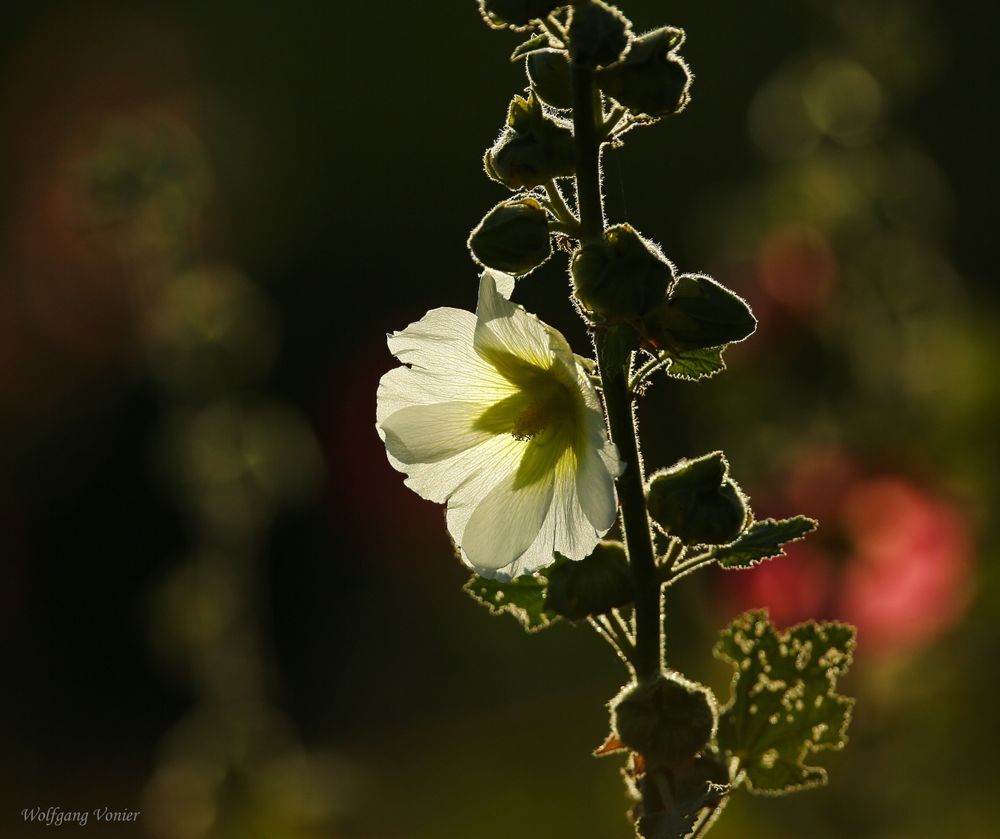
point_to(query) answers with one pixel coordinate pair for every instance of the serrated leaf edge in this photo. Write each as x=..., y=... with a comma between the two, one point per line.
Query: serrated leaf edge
x=781, y=546
x=807, y=749
x=518, y=613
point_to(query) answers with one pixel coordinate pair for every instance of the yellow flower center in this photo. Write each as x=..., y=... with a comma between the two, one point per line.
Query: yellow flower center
x=543, y=402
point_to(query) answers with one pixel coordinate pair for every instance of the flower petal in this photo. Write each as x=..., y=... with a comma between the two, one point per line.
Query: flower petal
x=506, y=329
x=506, y=523
x=432, y=433
x=441, y=365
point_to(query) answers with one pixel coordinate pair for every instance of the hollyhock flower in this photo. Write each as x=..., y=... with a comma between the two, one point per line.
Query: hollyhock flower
x=494, y=415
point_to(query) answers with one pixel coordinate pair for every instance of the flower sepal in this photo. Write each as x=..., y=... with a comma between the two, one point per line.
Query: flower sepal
x=592, y=586
x=548, y=72
x=697, y=313
x=666, y=719
x=516, y=14
x=652, y=80
x=533, y=149
x=599, y=34
x=622, y=276
x=697, y=502
x=673, y=797
x=512, y=237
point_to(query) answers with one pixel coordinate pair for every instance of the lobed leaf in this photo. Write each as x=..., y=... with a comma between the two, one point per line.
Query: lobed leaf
x=783, y=704
x=696, y=365
x=524, y=598
x=764, y=539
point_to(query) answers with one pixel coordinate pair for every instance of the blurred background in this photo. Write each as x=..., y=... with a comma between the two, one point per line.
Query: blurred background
x=221, y=607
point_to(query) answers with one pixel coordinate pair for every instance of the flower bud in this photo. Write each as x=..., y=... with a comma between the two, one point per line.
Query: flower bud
x=548, y=71
x=652, y=80
x=670, y=793
x=516, y=14
x=698, y=313
x=665, y=719
x=598, y=34
x=621, y=276
x=592, y=586
x=532, y=150
x=513, y=237
x=696, y=501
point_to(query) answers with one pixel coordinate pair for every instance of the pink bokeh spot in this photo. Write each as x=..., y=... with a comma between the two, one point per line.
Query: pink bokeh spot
x=890, y=558
x=909, y=578
x=797, y=268
x=793, y=589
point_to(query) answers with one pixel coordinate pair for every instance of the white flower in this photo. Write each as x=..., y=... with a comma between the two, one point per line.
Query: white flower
x=493, y=414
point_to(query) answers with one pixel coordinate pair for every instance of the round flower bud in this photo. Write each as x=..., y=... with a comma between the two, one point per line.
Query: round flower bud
x=665, y=719
x=548, y=72
x=698, y=312
x=516, y=14
x=598, y=34
x=513, y=237
x=621, y=276
x=532, y=150
x=696, y=501
x=592, y=586
x=652, y=80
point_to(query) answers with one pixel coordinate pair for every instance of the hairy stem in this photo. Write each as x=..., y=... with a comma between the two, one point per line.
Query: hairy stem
x=617, y=399
x=558, y=206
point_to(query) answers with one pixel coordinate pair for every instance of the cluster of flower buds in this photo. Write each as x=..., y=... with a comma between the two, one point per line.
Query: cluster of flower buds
x=592, y=78
x=623, y=280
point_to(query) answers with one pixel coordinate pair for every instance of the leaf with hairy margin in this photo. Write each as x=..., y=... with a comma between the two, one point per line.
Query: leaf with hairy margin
x=538, y=42
x=696, y=365
x=783, y=704
x=523, y=598
x=764, y=539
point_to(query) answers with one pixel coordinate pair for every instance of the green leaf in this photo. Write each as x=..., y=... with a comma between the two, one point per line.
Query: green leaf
x=524, y=598
x=784, y=703
x=763, y=540
x=695, y=365
x=539, y=42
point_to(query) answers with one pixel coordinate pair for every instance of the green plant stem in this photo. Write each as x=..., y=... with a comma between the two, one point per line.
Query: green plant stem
x=621, y=645
x=558, y=206
x=650, y=366
x=688, y=567
x=617, y=399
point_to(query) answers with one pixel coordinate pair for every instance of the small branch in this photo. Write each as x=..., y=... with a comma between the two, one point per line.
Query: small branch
x=621, y=645
x=610, y=123
x=555, y=30
x=643, y=372
x=557, y=204
x=622, y=625
x=674, y=554
x=689, y=567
